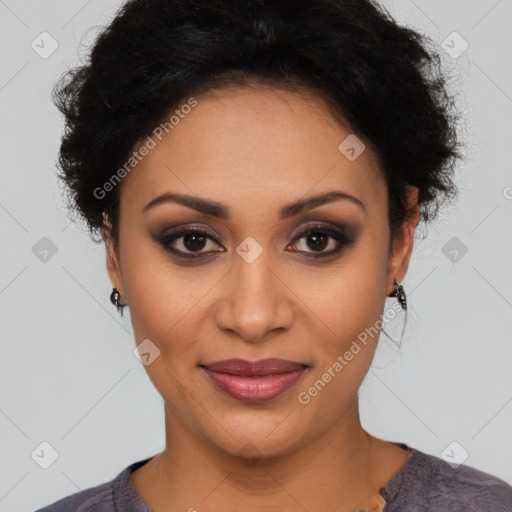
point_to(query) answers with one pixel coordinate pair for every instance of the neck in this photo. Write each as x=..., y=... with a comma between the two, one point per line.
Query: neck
x=192, y=472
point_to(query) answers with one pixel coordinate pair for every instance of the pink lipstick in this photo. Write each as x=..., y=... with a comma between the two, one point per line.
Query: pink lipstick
x=256, y=381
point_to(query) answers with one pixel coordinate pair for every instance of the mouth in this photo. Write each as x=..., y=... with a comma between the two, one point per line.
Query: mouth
x=256, y=381
x=245, y=368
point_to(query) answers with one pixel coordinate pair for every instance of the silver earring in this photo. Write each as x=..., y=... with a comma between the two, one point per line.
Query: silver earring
x=115, y=297
x=399, y=293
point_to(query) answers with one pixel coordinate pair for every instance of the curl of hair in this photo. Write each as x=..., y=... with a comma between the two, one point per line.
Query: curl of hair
x=383, y=79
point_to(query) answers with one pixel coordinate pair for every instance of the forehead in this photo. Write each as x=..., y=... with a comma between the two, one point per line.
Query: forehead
x=257, y=142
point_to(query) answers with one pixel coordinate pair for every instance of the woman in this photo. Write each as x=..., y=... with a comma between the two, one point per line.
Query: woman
x=258, y=170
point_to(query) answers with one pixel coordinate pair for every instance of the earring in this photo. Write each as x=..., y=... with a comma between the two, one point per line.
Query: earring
x=115, y=297
x=399, y=293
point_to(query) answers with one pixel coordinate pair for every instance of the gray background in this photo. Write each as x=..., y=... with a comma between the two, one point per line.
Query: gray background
x=68, y=373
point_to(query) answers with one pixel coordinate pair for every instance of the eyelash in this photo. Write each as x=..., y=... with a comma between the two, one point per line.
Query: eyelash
x=341, y=239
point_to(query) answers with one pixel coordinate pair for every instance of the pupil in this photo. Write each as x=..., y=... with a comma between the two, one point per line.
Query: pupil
x=194, y=241
x=318, y=244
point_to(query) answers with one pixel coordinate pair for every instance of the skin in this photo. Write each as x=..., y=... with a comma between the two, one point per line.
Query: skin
x=255, y=149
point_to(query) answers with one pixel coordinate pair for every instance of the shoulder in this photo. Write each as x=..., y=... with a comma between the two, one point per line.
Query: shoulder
x=117, y=495
x=469, y=489
x=430, y=483
x=99, y=498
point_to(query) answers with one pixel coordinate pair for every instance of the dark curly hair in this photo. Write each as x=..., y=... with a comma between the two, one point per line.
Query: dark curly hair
x=383, y=79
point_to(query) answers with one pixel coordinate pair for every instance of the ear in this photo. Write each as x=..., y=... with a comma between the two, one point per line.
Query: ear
x=404, y=241
x=112, y=258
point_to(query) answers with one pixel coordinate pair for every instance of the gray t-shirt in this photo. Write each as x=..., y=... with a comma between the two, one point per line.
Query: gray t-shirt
x=424, y=484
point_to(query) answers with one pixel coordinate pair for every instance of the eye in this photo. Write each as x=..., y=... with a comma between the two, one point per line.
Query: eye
x=194, y=243
x=186, y=242
x=317, y=238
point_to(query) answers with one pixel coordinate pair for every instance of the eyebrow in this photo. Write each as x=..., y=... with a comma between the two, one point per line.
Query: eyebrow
x=216, y=209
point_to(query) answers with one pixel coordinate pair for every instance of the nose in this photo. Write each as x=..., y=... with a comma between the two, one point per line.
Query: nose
x=255, y=301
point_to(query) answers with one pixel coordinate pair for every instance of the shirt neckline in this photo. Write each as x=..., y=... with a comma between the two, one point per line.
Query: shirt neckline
x=126, y=497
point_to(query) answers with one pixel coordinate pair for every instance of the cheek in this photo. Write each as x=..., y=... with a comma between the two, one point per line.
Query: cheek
x=349, y=347
x=348, y=332
x=348, y=304
x=162, y=297
x=350, y=297
x=165, y=309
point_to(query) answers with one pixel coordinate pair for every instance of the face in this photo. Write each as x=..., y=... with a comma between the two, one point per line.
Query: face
x=250, y=276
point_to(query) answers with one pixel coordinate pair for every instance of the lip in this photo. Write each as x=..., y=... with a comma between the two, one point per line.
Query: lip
x=245, y=368
x=254, y=381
